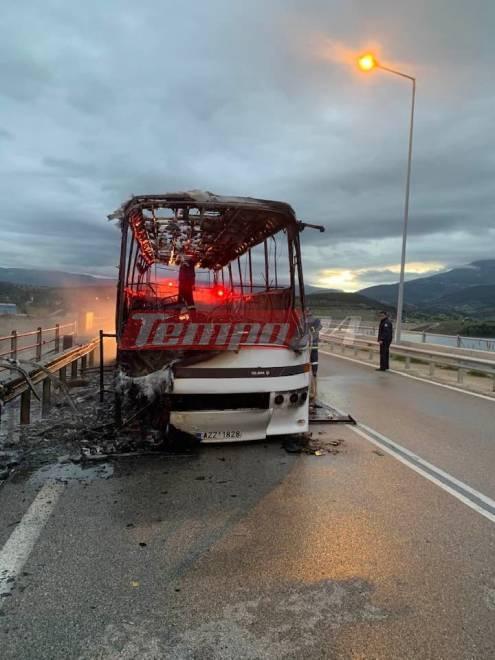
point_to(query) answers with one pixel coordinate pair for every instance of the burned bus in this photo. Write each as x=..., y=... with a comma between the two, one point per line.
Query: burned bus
x=212, y=336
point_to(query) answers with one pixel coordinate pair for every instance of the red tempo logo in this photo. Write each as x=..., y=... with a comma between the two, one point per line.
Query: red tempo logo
x=157, y=331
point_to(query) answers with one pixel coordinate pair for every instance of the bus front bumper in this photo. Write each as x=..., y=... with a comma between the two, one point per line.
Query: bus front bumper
x=240, y=425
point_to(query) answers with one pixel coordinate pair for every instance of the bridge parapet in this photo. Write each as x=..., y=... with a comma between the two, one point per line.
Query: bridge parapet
x=461, y=360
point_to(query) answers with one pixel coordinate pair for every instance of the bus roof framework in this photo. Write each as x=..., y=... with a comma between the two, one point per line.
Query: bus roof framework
x=211, y=229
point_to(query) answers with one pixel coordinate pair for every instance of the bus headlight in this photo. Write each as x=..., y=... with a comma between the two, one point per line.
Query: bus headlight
x=291, y=398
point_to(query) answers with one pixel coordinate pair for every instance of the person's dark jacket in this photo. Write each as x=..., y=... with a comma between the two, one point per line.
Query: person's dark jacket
x=385, y=331
x=315, y=326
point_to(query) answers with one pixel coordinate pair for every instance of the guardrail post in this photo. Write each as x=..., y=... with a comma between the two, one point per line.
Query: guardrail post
x=92, y=359
x=118, y=410
x=46, y=397
x=423, y=338
x=102, y=375
x=460, y=375
x=408, y=362
x=62, y=374
x=25, y=407
x=73, y=370
x=84, y=364
x=13, y=344
x=459, y=341
x=57, y=337
x=39, y=341
x=432, y=368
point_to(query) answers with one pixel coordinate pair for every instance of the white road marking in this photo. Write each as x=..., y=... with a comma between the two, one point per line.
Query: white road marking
x=423, y=380
x=20, y=544
x=461, y=491
x=439, y=477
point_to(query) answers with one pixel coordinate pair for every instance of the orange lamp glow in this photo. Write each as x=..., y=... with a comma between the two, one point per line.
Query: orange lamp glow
x=367, y=62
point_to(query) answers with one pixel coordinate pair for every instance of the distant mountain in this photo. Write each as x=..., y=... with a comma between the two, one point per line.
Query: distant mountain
x=471, y=301
x=310, y=288
x=31, y=299
x=340, y=305
x=55, y=278
x=51, y=278
x=436, y=289
x=26, y=296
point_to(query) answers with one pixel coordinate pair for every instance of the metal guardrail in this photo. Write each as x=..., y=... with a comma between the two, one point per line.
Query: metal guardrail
x=462, y=363
x=23, y=385
x=351, y=324
x=419, y=336
x=454, y=341
x=41, y=342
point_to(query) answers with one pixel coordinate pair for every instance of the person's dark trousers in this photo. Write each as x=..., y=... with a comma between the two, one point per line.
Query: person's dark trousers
x=314, y=361
x=384, y=355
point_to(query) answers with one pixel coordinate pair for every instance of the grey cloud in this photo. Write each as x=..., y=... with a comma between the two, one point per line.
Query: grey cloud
x=378, y=276
x=101, y=103
x=384, y=226
x=389, y=276
x=23, y=78
x=69, y=168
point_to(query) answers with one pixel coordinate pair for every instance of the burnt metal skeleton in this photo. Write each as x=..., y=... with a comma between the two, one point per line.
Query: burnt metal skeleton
x=244, y=303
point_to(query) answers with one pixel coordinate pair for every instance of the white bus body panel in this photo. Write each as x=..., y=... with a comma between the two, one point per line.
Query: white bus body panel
x=255, y=359
x=246, y=424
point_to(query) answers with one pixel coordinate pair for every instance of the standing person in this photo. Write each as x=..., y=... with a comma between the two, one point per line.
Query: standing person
x=187, y=279
x=314, y=325
x=385, y=334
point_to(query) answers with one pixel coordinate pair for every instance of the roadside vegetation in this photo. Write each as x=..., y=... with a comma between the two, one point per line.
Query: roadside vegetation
x=455, y=325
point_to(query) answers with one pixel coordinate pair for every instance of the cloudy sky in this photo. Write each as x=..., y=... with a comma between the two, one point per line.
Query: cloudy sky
x=102, y=99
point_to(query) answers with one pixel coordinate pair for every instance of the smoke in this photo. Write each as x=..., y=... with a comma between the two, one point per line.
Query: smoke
x=93, y=308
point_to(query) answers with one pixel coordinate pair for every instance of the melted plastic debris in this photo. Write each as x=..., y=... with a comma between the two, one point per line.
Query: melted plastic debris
x=315, y=446
x=150, y=386
x=62, y=439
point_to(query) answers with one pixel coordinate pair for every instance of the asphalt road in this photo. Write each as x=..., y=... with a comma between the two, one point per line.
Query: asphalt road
x=452, y=429
x=250, y=552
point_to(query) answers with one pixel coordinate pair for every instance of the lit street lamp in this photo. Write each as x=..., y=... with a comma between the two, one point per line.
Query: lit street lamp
x=368, y=62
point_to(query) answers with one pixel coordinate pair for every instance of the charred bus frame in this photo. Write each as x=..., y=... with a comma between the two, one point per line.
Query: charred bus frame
x=190, y=358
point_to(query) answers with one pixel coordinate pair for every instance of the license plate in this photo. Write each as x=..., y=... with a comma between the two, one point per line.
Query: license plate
x=220, y=435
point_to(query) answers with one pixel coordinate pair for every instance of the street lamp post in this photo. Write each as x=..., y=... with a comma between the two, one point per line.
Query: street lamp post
x=369, y=62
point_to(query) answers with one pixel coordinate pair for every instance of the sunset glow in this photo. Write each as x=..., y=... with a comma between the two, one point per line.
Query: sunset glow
x=354, y=280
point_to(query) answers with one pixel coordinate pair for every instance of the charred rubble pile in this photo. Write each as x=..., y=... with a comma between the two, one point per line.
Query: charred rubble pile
x=80, y=427
x=71, y=422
